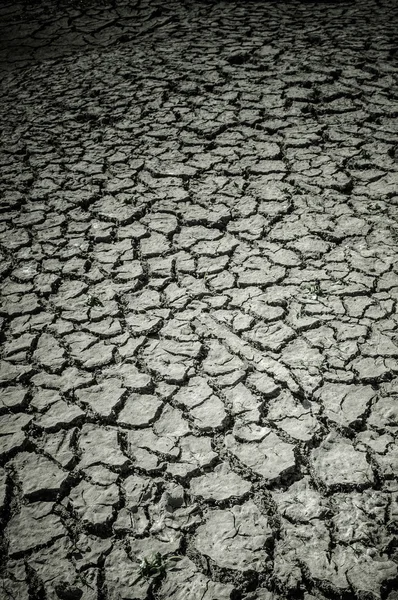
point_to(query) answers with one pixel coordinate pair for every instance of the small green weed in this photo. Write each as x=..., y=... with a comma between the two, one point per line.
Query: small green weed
x=92, y=301
x=155, y=566
x=313, y=288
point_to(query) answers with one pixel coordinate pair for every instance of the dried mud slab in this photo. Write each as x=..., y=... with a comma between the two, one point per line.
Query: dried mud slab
x=198, y=300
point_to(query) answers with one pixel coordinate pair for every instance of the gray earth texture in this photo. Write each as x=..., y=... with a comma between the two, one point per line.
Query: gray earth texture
x=198, y=303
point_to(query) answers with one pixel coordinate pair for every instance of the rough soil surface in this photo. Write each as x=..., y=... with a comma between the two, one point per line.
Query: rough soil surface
x=199, y=260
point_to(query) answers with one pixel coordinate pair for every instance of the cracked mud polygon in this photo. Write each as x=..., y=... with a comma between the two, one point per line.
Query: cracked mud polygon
x=199, y=358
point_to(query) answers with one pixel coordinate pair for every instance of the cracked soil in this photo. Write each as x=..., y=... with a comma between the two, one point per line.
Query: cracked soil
x=198, y=253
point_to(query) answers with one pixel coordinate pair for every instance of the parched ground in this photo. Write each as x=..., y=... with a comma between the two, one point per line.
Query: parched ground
x=199, y=258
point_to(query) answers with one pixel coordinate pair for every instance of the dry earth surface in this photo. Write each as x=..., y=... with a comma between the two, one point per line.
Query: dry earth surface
x=199, y=235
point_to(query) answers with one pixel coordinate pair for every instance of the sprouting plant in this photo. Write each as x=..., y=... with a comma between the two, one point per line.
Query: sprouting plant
x=313, y=288
x=93, y=301
x=155, y=566
x=394, y=234
x=316, y=288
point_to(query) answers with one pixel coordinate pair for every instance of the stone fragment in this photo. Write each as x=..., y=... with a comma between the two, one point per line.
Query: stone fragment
x=38, y=476
x=161, y=222
x=268, y=166
x=43, y=399
x=337, y=463
x=12, y=398
x=221, y=364
x=33, y=526
x=116, y=210
x=221, y=484
x=143, y=324
x=298, y=354
x=10, y=373
x=372, y=369
x=270, y=337
x=294, y=417
x=99, y=445
x=49, y=352
x=154, y=245
x=259, y=274
x=15, y=305
x=103, y=398
x=235, y=538
x=56, y=572
x=146, y=439
x=185, y=582
x=171, y=423
x=59, y=445
x=70, y=380
x=94, y=503
x=12, y=435
x=130, y=376
x=301, y=502
x=122, y=575
x=14, y=584
x=345, y=404
x=139, y=490
x=171, y=359
x=384, y=414
x=209, y=415
x=140, y=410
x=88, y=351
x=3, y=490
x=269, y=457
x=195, y=453
x=243, y=403
x=360, y=517
x=194, y=393
x=60, y=414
